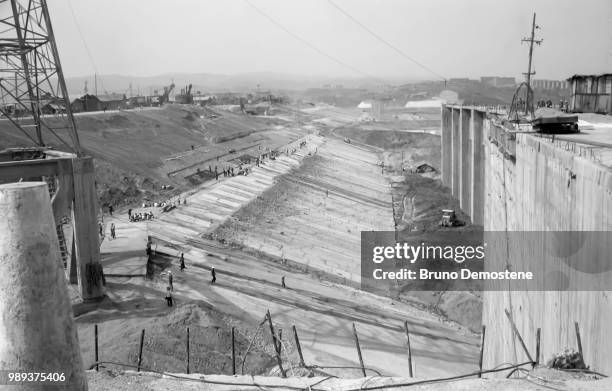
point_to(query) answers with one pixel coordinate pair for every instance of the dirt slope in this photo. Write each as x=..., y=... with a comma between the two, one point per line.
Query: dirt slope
x=134, y=150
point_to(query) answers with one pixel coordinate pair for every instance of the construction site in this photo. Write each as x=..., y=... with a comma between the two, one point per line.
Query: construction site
x=195, y=238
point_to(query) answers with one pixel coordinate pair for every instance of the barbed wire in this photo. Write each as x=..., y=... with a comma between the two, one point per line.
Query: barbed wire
x=309, y=387
x=202, y=380
x=251, y=344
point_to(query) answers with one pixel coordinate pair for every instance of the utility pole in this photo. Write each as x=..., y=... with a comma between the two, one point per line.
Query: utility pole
x=531, y=41
x=96, y=83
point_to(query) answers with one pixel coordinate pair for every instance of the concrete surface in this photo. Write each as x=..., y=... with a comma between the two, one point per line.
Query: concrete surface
x=248, y=285
x=537, y=183
x=37, y=330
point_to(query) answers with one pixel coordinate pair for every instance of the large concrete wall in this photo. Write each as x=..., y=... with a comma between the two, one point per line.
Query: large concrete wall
x=462, y=149
x=520, y=182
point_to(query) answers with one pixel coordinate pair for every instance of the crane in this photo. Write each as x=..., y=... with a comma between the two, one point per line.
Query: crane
x=167, y=90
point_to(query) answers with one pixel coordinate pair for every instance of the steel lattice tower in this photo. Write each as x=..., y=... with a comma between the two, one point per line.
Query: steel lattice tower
x=31, y=75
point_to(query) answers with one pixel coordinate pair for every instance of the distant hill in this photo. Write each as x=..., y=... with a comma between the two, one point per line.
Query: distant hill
x=207, y=82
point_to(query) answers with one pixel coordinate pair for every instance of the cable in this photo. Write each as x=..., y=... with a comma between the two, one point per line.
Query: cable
x=381, y=39
x=342, y=367
x=323, y=380
x=583, y=371
x=309, y=387
x=310, y=45
x=446, y=379
x=201, y=380
x=93, y=63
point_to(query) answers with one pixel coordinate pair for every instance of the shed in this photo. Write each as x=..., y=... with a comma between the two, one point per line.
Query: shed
x=86, y=103
x=591, y=93
x=53, y=108
x=112, y=101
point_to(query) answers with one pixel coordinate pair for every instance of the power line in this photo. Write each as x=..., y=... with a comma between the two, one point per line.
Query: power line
x=381, y=39
x=91, y=59
x=310, y=45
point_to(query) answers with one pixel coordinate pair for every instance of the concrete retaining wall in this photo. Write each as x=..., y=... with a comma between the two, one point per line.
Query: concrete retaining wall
x=462, y=150
x=520, y=182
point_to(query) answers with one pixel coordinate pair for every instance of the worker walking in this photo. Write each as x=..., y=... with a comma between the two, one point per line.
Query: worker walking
x=214, y=275
x=283, y=282
x=110, y=209
x=169, y=300
x=112, y=230
x=182, y=262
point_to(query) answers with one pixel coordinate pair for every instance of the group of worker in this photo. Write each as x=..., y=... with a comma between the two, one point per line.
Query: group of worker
x=102, y=232
x=227, y=172
x=170, y=287
x=563, y=104
x=141, y=216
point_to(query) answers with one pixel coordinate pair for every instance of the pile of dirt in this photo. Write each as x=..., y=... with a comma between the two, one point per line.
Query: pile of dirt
x=390, y=139
x=165, y=343
x=117, y=187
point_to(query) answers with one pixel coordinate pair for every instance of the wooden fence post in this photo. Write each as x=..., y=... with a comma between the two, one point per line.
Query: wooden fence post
x=359, y=351
x=537, y=358
x=233, y=354
x=409, y=349
x=187, y=350
x=299, y=347
x=519, y=336
x=579, y=341
x=140, y=349
x=96, y=346
x=276, y=346
x=482, y=345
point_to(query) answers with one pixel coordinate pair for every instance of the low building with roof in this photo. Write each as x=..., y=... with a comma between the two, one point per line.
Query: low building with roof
x=591, y=93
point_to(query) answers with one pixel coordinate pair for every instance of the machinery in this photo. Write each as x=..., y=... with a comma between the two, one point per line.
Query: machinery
x=167, y=90
x=556, y=124
x=185, y=96
x=449, y=219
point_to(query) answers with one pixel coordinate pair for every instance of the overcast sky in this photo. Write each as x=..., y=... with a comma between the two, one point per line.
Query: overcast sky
x=455, y=38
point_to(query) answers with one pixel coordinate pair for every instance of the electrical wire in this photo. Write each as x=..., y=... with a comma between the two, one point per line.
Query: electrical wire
x=384, y=41
x=78, y=26
x=310, y=45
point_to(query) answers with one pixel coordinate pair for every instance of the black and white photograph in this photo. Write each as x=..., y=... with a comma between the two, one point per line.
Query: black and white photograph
x=317, y=195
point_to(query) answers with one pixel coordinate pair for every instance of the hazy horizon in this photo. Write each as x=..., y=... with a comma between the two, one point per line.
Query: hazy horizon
x=469, y=38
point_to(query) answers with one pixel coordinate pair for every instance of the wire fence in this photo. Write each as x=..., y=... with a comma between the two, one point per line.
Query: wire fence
x=283, y=348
